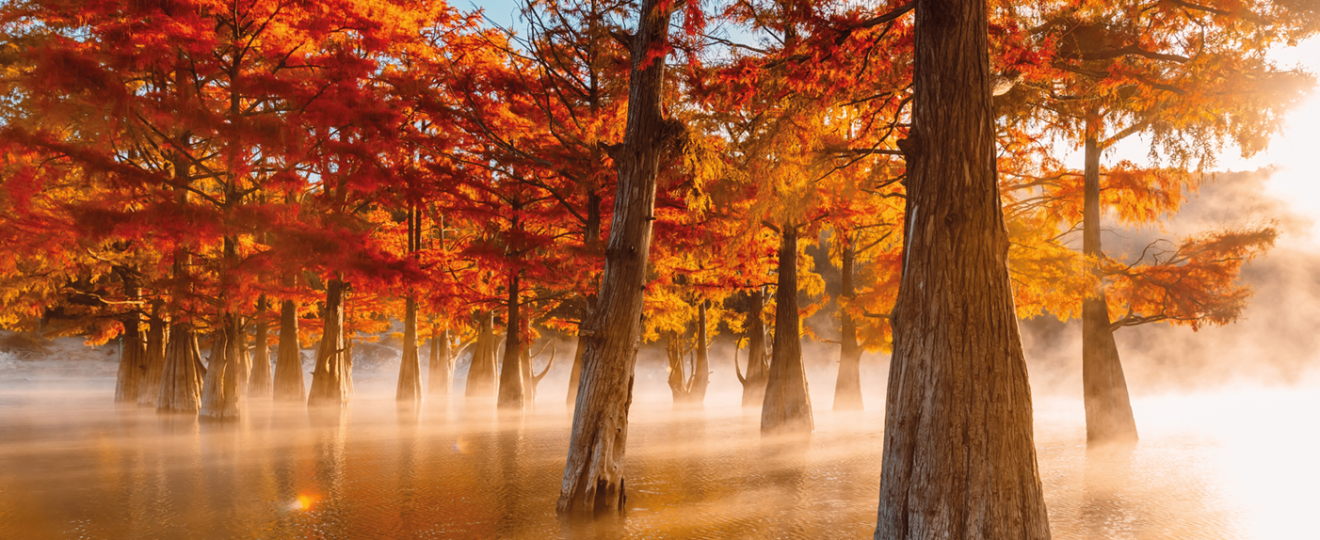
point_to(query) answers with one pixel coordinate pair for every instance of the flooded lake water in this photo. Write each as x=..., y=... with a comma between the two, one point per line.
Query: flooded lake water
x=72, y=465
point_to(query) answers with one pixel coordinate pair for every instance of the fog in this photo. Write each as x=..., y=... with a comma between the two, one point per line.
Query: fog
x=1227, y=418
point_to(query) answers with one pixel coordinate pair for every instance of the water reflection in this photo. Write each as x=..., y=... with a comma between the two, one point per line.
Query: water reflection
x=75, y=469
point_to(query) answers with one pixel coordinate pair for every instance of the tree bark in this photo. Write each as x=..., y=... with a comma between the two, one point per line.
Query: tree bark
x=441, y=370
x=330, y=376
x=787, y=405
x=959, y=456
x=133, y=349
x=678, y=379
x=410, y=367
x=511, y=391
x=288, y=378
x=701, y=364
x=259, y=384
x=758, y=367
x=220, y=387
x=575, y=373
x=181, y=377
x=482, y=377
x=1108, y=407
x=149, y=389
x=593, y=474
x=848, y=388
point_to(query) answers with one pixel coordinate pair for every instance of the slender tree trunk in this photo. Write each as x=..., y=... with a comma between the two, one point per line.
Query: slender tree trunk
x=410, y=368
x=701, y=366
x=787, y=406
x=288, y=379
x=133, y=352
x=593, y=474
x=575, y=373
x=330, y=376
x=441, y=376
x=758, y=366
x=220, y=387
x=481, y=379
x=848, y=389
x=959, y=456
x=259, y=385
x=149, y=390
x=182, y=375
x=678, y=379
x=1108, y=408
x=244, y=359
x=511, y=391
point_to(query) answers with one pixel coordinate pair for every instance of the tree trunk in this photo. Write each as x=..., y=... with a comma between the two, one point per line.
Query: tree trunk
x=511, y=392
x=259, y=384
x=181, y=377
x=959, y=456
x=441, y=375
x=288, y=379
x=481, y=379
x=848, y=389
x=149, y=390
x=678, y=379
x=701, y=366
x=244, y=359
x=758, y=368
x=575, y=374
x=133, y=349
x=410, y=367
x=330, y=376
x=1108, y=408
x=220, y=387
x=787, y=405
x=593, y=474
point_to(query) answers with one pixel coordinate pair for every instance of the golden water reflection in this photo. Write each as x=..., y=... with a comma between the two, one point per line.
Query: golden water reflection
x=1212, y=466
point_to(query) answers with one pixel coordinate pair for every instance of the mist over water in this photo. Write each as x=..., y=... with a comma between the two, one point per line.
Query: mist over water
x=1227, y=418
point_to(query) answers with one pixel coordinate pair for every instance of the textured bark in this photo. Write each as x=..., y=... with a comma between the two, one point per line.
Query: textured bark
x=133, y=346
x=959, y=456
x=259, y=385
x=410, y=367
x=701, y=363
x=848, y=387
x=440, y=378
x=787, y=405
x=758, y=365
x=330, y=375
x=1108, y=407
x=512, y=392
x=482, y=377
x=593, y=475
x=220, y=387
x=181, y=377
x=149, y=389
x=288, y=378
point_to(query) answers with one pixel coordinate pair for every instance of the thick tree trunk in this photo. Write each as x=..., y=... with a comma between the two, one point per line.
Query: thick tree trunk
x=511, y=392
x=758, y=365
x=288, y=378
x=410, y=367
x=133, y=346
x=220, y=387
x=787, y=405
x=593, y=474
x=482, y=377
x=182, y=375
x=259, y=385
x=440, y=378
x=848, y=388
x=701, y=364
x=149, y=390
x=1108, y=408
x=959, y=456
x=330, y=375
